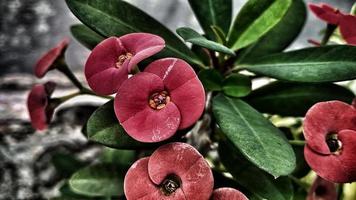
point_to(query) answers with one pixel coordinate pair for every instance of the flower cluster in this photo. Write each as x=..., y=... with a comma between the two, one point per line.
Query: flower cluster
x=330, y=134
x=346, y=22
x=174, y=171
x=150, y=105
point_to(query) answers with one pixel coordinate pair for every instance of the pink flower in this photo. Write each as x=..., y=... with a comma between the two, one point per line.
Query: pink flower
x=228, y=194
x=49, y=60
x=111, y=61
x=348, y=29
x=153, y=104
x=173, y=171
x=38, y=105
x=326, y=13
x=330, y=133
x=322, y=190
x=346, y=22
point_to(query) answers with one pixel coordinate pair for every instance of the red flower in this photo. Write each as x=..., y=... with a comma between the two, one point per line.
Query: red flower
x=348, y=29
x=48, y=61
x=330, y=133
x=347, y=23
x=227, y=194
x=38, y=105
x=153, y=104
x=322, y=189
x=111, y=61
x=326, y=13
x=173, y=171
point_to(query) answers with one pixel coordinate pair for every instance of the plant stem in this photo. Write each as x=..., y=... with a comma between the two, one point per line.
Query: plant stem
x=87, y=91
x=297, y=142
x=303, y=185
x=63, y=67
x=330, y=28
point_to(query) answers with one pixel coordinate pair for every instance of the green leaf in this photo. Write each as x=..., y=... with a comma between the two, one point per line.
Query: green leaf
x=202, y=53
x=124, y=158
x=261, y=142
x=99, y=180
x=220, y=36
x=280, y=36
x=237, y=85
x=67, y=193
x=254, y=20
x=212, y=13
x=317, y=64
x=260, y=184
x=117, y=18
x=295, y=99
x=189, y=35
x=86, y=36
x=211, y=79
x=104, y=128
x=66, y=164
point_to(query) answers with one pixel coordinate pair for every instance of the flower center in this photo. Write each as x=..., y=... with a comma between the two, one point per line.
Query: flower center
x=170, y=184
x=159, y=100
x=121, y=59
x=333, y=143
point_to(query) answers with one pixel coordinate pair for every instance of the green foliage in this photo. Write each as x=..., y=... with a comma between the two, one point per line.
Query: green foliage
x=211, y=79
x=99, y=180
x=260, y=184
x=259, y=141
x=213, y=13
x=314, y=65
x=294, y=99
x=190, y=35
x=123, y=158
x=85, y=35
x=237, y=85
x=280, y=36
x=117, y=18
x=254, y=20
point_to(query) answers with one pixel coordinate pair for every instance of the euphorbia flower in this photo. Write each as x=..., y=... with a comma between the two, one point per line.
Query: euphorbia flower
x=348, y=29
x=228, y=194
x=49, y=60
x=153, y=104
x=322, y=190
x=346, y=22
x=173, y=171
x=111, y=60
x=38, y=105
x=326, y=13
x=330, y=134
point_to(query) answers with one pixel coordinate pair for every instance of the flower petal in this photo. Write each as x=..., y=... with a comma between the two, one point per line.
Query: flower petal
x=136, y=116
x=185, y=88
x=173, y=71
x=190, y=100
x=184, y=161
x=324, y=118
x=137, y=184
x=104, y=56
x=326, y=13
x=227, y=194
x=45, y=63
x=37, y=103
x=322, y=189
x=337, y=168
x=142, y=46
x=348, y=29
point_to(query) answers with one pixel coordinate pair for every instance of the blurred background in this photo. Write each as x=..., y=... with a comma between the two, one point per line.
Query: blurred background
x=28, y=28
